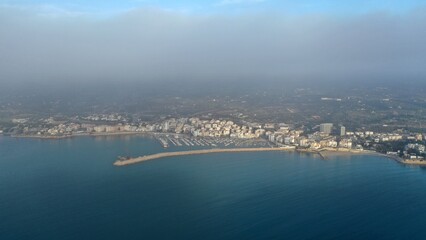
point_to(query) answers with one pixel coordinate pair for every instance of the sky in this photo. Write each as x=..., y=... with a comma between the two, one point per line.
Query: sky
x=152, y=40
x=228, y=6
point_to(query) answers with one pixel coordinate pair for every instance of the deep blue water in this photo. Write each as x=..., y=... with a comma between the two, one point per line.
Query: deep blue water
x=69, y=189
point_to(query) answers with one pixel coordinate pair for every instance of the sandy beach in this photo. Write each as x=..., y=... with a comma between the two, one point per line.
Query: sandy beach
x=330, y=152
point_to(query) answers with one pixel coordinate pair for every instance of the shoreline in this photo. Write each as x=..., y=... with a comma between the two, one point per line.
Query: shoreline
x=323, y=153
x=105, y=134
x=330, y=151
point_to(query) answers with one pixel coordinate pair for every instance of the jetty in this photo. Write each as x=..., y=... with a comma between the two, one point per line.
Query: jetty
x=123, y=161
x=129, y=161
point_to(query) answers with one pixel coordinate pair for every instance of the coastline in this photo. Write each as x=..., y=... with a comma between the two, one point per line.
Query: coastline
x=85, y=135
x=324, y=153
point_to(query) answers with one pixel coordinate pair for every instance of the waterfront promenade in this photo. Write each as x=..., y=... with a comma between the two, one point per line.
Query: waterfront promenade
x=123, y=162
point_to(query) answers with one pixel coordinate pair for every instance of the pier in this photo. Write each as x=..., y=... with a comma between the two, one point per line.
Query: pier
x=124, y=162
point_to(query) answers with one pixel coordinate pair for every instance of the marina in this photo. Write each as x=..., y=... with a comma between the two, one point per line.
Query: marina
x=180, y=140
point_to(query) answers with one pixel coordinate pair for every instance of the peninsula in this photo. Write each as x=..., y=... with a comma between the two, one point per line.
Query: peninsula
x=124, y=161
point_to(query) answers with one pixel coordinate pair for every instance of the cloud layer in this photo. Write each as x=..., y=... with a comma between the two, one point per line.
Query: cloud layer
x=154, y=45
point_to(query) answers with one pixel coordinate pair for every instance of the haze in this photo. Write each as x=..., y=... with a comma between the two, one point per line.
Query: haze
x=155, y=44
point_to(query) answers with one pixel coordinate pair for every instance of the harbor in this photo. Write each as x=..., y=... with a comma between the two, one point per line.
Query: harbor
x=182, y=140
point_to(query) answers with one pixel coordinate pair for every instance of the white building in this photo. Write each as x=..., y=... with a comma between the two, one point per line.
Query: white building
x=326, y=128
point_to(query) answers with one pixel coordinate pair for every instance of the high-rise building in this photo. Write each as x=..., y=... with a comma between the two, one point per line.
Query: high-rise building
x=326, y=128
x=166, y=126
x=342, y=131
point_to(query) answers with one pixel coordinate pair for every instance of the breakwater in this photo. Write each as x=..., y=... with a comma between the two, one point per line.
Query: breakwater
x=323, y=153
x=123, y=162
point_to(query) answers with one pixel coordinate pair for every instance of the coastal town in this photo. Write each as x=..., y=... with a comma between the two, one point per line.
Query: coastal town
x=203, y=132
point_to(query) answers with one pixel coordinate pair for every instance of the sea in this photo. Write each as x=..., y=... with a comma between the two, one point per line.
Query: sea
x=70, y=189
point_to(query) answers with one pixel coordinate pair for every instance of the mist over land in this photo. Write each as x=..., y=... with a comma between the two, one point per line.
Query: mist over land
x=162, y=47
